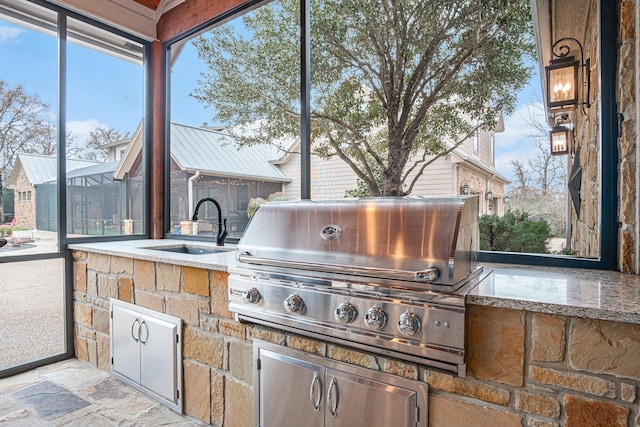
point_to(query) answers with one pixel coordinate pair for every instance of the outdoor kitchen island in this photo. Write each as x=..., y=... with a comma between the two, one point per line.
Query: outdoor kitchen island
x=545, y=346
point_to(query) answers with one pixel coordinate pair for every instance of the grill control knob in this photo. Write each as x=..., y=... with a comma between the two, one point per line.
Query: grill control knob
x=375, y=318
x=345, y=313
x=409, y=324
x=293, y=303
x=251, y=296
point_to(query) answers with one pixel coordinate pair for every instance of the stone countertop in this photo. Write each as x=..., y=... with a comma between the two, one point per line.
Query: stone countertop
x=143, y=249
x=595, y=294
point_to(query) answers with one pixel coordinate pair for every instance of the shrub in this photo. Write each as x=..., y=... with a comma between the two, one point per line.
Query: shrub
x=6, y=231
x=513, y=232
x=255, y=203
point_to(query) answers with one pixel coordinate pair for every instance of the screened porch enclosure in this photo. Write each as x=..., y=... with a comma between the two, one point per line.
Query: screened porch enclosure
x=98, y=204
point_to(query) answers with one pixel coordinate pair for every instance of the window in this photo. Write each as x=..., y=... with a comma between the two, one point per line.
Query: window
x=226, y=144
x=105, y=194
x=493, y=149
x=108, y=65
x=355, y=124
x=476, y=141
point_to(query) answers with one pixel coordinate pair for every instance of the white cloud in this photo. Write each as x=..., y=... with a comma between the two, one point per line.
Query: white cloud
x=8, y=34
x=81, y=129
x=518, y=141
x=518, y=126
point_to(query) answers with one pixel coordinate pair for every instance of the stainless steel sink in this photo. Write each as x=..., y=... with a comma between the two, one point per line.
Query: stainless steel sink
x=191, y=249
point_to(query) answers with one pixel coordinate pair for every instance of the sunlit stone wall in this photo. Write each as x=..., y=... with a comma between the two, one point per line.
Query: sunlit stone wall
x=523, y=368
x=628, y=146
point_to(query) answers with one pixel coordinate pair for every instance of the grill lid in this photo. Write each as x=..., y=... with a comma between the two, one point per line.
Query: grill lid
x=423, y=240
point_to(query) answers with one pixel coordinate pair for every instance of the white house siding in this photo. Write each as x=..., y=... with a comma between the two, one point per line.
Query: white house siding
x=437, y=179
x=292, y=168
x=330, y=178
x=485, y=149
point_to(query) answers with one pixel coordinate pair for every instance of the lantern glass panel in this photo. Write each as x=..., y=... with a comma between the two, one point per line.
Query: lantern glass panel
x=562, y=84
x=559, y=141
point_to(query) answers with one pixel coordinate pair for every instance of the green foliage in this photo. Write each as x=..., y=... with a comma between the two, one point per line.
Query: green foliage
x=256, y=202
x=391, y=81
x=6, y=231
x=513, y=232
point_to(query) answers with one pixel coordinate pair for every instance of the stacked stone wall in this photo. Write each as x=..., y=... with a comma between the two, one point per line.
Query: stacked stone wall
x=628, y=146
x=24, y=208
x=524, y=369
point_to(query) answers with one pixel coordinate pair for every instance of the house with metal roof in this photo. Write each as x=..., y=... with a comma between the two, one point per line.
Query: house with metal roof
x=31, y=176
x=103, y=197
x=468, y=168
x=207, y=162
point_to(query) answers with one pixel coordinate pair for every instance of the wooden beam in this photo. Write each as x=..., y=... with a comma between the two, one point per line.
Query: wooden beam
x=151, y=4
x=157, y=141
x=190, y=14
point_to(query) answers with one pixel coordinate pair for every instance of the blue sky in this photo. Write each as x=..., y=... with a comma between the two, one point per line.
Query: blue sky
x=102, y=90
x=106, y=91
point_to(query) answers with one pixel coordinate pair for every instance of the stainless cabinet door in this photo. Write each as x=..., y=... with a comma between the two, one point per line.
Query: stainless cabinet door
x=358, y=401
x=125, y=349
x=291, y=392
x=158, y=356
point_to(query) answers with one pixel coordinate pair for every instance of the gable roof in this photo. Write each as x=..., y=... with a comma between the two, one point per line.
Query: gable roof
x=40, y=169
x=211, y=152
x=102, y=168
x=215, y=153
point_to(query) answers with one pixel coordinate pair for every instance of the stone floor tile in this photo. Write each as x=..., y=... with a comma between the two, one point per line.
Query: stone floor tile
x=49, y=400
x=160, y=415
x=16, y=382
x=92, y=419
x=11, y=411
x=76, y=377
x=74, y=393
x=119, y=397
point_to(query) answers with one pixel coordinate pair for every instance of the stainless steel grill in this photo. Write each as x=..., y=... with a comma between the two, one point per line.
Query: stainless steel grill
x=387, y=275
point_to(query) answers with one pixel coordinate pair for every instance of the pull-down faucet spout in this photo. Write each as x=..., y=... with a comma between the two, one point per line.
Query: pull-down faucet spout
x=222, y=224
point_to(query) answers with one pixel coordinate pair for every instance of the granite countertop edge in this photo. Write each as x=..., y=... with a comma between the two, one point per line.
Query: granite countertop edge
x=590, y=294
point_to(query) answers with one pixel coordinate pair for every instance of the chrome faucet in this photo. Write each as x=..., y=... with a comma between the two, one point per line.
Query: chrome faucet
x=222, y=230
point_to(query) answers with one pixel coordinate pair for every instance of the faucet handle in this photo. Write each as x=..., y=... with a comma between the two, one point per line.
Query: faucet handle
x=222, y=234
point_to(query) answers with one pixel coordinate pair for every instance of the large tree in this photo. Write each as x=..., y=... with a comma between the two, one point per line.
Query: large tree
x=98, y=138
x=23, y=120
x=394, y=82
x=540, y=185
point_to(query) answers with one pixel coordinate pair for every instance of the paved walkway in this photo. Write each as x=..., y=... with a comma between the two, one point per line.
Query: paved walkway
x=74, y=393
x=32, y=301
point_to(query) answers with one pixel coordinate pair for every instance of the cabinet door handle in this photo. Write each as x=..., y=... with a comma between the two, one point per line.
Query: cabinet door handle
x=332, y=396
x=146, y=328
x=135, y=338
x=315, y=392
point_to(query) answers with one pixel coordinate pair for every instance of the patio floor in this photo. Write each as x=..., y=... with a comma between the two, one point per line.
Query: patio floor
x=74, y=393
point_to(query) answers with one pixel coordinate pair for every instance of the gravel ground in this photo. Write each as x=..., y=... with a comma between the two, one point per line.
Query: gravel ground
x=31, y=303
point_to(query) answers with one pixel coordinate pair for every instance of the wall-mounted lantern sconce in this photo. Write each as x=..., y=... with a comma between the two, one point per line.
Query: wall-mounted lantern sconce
x=559, y=137
x=489, y=195
x=465, y=190
x=506, y=200
x=563, y=77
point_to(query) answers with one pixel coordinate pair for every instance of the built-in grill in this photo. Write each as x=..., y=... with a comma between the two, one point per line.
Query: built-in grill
x=388, y=275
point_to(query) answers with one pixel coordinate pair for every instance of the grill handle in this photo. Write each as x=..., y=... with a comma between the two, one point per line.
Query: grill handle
x=415, y=276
